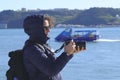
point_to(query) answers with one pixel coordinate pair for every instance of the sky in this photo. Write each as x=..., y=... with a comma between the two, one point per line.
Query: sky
x=52, y=4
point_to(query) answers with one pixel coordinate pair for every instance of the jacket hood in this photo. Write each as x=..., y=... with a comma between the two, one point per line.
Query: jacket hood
x=33, y=26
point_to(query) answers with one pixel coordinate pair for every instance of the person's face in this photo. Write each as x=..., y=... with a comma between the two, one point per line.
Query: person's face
x=46, y=27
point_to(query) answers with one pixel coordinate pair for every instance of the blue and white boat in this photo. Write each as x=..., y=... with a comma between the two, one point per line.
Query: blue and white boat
x=77, y=35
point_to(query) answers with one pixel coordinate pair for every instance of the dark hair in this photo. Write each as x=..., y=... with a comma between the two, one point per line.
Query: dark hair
x=50, y=20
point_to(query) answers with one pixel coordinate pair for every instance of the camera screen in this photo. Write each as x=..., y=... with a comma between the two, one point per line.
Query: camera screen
x=81, y=44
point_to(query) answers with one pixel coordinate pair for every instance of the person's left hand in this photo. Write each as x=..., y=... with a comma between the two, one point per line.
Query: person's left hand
x=78, y=49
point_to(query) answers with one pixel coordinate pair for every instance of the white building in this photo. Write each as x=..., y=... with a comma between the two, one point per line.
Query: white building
x=3, y=26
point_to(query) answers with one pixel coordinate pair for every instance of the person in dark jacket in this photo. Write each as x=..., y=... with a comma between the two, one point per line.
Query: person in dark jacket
x=39, y=59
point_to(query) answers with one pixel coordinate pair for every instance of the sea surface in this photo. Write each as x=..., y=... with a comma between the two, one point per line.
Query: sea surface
x=100, y=60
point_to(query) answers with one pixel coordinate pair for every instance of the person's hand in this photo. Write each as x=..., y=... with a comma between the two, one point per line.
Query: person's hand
x=78, y=49
x=70, y=48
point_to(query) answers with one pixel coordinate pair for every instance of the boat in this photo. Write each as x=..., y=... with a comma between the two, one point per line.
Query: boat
x=77, y=35
x=64, y=35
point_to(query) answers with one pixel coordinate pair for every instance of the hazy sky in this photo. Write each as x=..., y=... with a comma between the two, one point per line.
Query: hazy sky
x=51, y=4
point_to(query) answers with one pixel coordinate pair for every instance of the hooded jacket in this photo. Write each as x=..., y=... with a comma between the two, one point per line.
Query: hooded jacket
x=39, y=60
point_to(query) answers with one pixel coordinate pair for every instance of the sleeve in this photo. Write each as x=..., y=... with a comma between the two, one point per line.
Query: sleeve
x=43, y=63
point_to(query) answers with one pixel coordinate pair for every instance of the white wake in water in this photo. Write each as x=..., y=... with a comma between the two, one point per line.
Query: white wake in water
x=108, y=40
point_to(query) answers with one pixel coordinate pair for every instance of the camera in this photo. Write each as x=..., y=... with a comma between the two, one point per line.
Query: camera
x=81, y=44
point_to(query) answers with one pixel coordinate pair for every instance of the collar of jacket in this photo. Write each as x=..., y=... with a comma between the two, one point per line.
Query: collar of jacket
x=40, y=40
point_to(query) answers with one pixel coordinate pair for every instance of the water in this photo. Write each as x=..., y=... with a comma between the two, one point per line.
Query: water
x=101, y=60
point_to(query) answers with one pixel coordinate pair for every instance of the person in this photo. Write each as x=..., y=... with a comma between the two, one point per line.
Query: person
x=39, y=59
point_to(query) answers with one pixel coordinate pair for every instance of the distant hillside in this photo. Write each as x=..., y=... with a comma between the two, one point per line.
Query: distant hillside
x=97, y=16
x=14, y=19
x=92, y=16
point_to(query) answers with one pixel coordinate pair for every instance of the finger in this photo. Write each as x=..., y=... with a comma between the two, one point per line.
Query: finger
x=77, y=49
x=83, y=48
x=72, y=42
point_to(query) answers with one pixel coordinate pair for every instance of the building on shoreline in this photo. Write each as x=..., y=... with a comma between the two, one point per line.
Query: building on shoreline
x=3, y=26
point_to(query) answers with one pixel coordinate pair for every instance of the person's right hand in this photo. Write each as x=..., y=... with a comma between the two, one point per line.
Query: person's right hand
x=70, y=48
